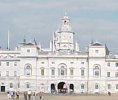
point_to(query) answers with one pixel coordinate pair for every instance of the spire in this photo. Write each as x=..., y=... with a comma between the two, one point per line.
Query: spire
x=35, y=41
x=24, y=40
x=8, y=39
x=107, y=50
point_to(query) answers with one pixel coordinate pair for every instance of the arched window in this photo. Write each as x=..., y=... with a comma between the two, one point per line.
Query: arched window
x=52, y=71
x=62, y=70
x=82, y=86
x=42, y=71
x=28, y=70
x=96, y=86
x=27, y=85
x=96, y=71
x=11, y=85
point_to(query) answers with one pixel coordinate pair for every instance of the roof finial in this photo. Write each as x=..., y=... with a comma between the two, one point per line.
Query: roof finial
x=24, y=40
x=65, y=13
x=8, y=37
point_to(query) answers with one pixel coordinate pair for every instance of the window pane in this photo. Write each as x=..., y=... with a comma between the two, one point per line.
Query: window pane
x=82, y=72
x=71, y=71
x=82, y=86
x=96, y=86
x=7, y=63
x=109, y=86
x=7, y=73
x=116, y=64
x=96, y=73
x=11, y=85
x=53, y=72
x=108, y=74
x=116, y=74
x=116, y=86
x=42, y=72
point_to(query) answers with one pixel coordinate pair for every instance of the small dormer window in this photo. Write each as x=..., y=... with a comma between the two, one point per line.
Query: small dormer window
x=53, y=62
x=71, y=62
x=28, y=50
x=96, y=51
x=82, y=62
x=42, y=62
x=7, y=63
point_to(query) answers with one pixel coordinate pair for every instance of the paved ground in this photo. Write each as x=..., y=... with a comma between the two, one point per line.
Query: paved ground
x=68, y=97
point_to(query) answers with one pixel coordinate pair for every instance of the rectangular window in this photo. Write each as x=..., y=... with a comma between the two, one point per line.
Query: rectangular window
x=62, y=72
x=7, y=73
x=82, y=62
x=18, y=85
x=28, y=50
x=71, y=62
x=109, y=86
x=27, y=85
x=71, y=71
x=15, y=73
x=82, y=86
x=7, y=63
x=96, y=86
x=0, y=73
x=96, y=51
x=96, y=73
x=108, y=74
x=11, y=85
x=116, y=86
x=42, y=72
x=0, y=63
x=116, y=74
x=108, y=64
x=42, y=62
x=82, y=72
x=53, y=72
x=15, y=63
x=53, y=62
x=116, y=64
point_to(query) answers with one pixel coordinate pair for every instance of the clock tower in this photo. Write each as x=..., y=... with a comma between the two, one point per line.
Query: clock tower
x=63, y=37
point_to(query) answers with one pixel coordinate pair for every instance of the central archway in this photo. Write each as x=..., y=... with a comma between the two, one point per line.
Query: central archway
x=62, y=88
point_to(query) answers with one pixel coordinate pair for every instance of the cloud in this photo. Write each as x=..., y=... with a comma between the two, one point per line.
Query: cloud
x=40, y=18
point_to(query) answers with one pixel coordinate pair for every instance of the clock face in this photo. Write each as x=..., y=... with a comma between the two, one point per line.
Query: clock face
x=66, y=38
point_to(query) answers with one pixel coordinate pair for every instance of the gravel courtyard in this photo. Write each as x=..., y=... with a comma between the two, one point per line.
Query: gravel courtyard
x=3, y=96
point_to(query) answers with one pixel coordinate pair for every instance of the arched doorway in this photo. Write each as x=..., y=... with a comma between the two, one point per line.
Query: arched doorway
x=2, y=88
x=52, y=88
x=62, y=88
x=71, y=88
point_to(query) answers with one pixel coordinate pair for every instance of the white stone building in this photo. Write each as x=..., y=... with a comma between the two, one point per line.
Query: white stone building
x=62, y=68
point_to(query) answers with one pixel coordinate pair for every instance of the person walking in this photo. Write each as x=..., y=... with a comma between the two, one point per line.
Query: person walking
x=29, y=94
x=40, y=95
x=25, y=95
x=34, y=95
x=109, y=93
x=17, y=94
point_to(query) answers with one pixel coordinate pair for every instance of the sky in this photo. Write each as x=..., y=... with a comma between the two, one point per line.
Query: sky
x=91, y=20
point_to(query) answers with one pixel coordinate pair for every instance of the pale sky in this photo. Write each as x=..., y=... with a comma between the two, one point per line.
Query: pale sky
x=95, y=20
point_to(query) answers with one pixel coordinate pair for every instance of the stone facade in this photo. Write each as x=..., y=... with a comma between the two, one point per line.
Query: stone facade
x=61, y=68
